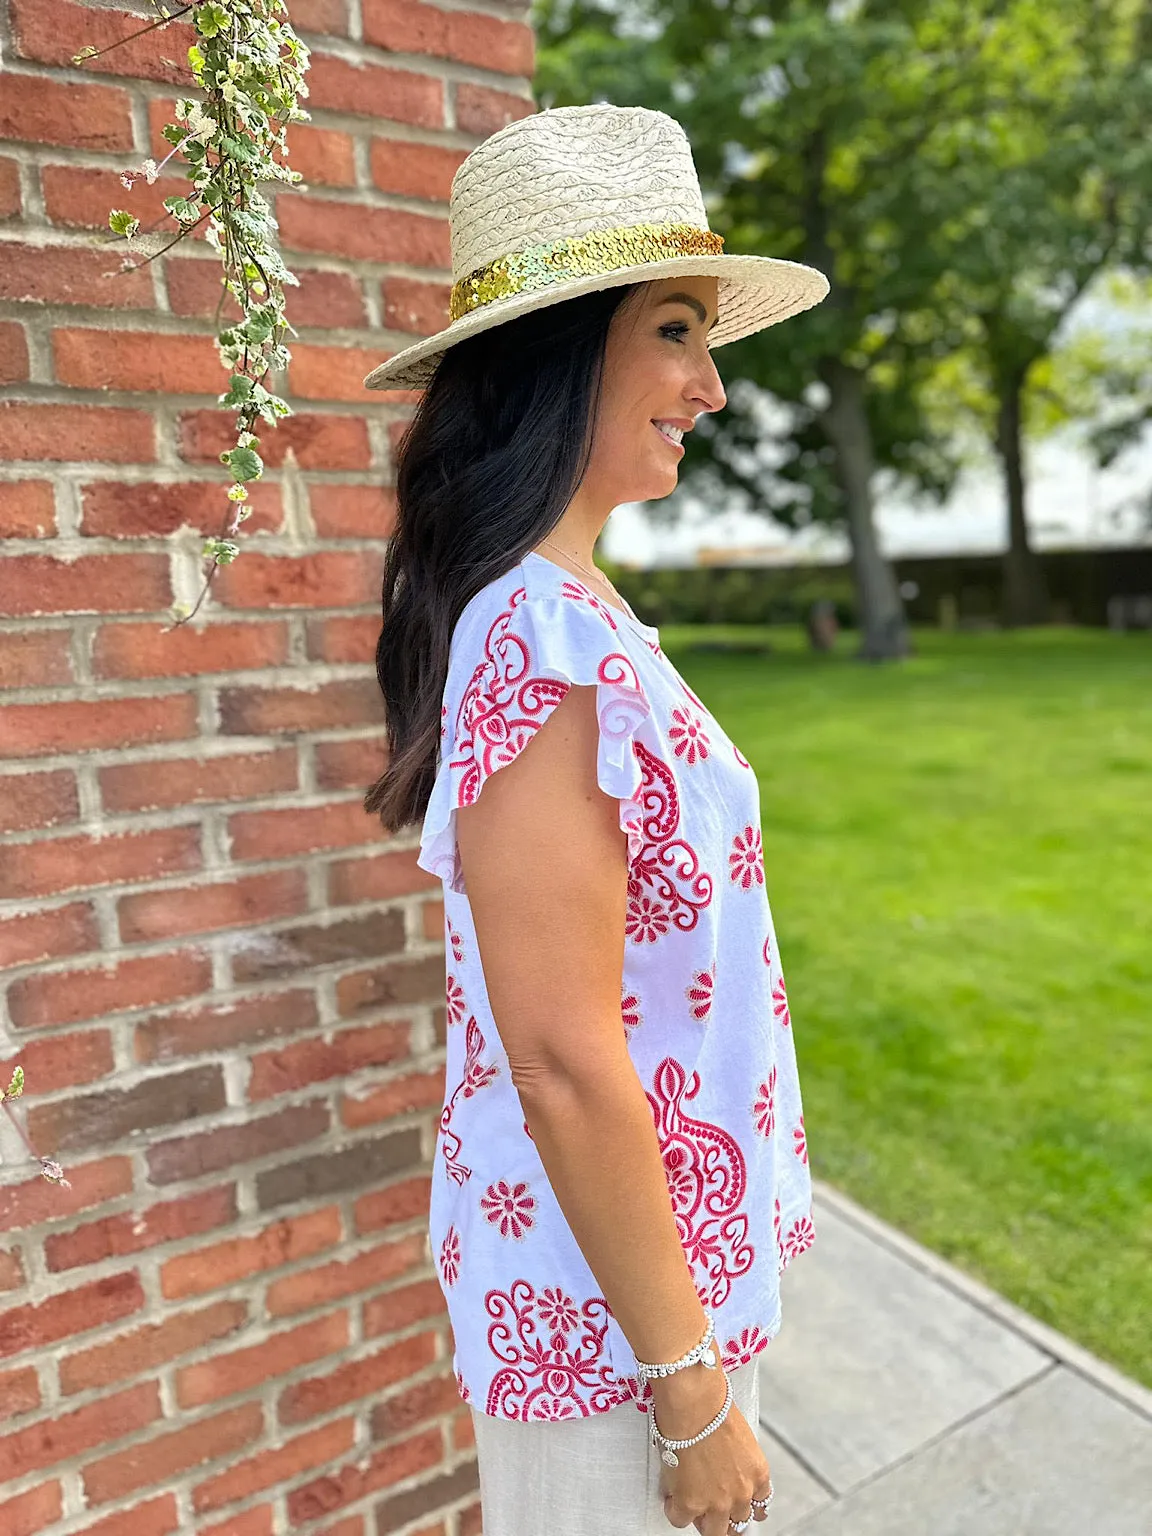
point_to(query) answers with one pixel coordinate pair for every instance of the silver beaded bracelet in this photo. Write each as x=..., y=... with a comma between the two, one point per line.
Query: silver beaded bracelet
x=703, y=1354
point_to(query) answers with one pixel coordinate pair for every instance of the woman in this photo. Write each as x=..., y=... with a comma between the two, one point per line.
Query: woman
x=621, y=1171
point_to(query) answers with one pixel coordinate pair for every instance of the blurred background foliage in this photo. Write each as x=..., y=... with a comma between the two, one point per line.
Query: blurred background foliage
x=963, y=172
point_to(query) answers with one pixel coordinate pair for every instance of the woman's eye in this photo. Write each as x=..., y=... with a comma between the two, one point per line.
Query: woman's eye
x=676, y=331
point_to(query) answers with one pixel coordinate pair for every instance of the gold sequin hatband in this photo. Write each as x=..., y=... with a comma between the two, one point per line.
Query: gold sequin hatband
x=559, y=261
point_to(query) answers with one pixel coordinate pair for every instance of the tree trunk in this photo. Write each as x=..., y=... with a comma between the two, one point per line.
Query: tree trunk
x=1025, y=598
x=883, y=628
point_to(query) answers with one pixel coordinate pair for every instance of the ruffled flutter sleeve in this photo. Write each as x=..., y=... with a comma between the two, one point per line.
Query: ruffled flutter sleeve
x=512, y=678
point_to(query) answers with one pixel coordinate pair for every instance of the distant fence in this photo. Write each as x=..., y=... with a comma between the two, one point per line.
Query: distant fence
x=1094, y=586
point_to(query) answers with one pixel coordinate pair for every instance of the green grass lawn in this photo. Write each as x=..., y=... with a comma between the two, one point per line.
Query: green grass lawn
x=959, y=858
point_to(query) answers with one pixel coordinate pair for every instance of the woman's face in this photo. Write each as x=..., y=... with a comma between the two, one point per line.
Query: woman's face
x=657, y=368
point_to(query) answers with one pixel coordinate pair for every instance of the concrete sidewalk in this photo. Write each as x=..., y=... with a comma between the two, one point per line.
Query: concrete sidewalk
x=902, y=1398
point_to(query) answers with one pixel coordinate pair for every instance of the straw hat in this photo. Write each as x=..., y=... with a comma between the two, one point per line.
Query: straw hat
x=577, y=198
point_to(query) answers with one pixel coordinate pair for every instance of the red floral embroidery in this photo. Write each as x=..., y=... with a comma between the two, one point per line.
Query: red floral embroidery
x=780, y=1002
x=767, y=950
x=746, y=861
x=799, y=1144
x=630, y=1013
x=765, y=1107
x=450, y=1257
x=700, y=993
x=707, y=1180
x=801, y=1236
x=454, y=1000
x=552, y=1354
x=658, y=900
x=688, y=737
x=509, y=1207
x=475, y=1078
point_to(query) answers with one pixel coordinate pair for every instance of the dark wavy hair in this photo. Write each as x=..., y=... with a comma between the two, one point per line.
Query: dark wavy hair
x=495, y=451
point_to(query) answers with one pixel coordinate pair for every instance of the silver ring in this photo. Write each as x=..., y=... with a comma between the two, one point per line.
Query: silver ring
x=739, y=1525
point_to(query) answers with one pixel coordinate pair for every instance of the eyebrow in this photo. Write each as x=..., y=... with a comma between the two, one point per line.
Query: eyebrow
x=691, y=301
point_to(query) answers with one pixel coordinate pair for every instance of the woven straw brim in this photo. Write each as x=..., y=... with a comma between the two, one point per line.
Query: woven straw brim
x=753, y=292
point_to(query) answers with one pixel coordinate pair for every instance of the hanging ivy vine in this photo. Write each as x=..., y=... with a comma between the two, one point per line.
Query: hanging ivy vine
x=250, y=65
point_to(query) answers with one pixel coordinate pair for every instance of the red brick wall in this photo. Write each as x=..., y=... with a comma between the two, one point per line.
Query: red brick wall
x=224, y=982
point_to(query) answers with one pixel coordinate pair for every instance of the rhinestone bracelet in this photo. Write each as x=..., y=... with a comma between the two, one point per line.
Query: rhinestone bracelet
x=670, y=1447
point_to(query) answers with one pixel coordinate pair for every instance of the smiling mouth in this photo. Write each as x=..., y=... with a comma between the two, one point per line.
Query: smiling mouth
x=670, y=441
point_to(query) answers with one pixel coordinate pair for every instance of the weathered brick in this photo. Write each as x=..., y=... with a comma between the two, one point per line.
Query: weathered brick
x=353, y=512
x=437, y=1492
x=280, y=834
x=223, y=1375
x=97, y=1119
x=143, y=650
x=19, y=1392
x=123, y=583
x=413, y=1091
x=62, y=1061
x=156, y=1517
x=70, y=1312
x=268, y=1468
x=401, y=983
x=330, y=372
x=64, y=930
x=223, y=1026
x=131, y=1231
x=11, y=1269
x=285, y=1242
x=43, y=111
x=253, y=1522
x=409, y=305
x=165, y=1457
x=71, y=433
x=154, y=1344
x=74, y=725
x=345, y=1277
x=404, y=1200
x=14, y=360
x=402, y=1306
x=33, y=658
x=57, y=864
x=10, y=204
x=45, y=30
x=67, y=997
x=98, y=357
x=315, y=1061
x=316, y=440
x=379, y=877
x=78, y=197
x=326, y=579
x=293, y=949
x=188, y=1157
x=71, y=1434
x=258, y=711
x=349, y=764
x=355, y=1481
x=30, y=1512
x=241, y=903
x=67, y=274
x=415, y=170
x=39, y=799
x=406, y=26
x=159, y=783
x=484, y=112
x=344, y=638
x=27, y=507
x=362, y=233
x=34, y=1202
x=400, y=1412
x=337, y=85
x=327, y=1173
x=356, y=1379
x=117, y=509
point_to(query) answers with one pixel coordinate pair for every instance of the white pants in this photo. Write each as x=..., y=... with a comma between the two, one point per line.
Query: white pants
x=594, y=1476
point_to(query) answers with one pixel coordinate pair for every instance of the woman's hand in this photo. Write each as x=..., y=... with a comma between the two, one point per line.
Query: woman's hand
x=718, y=1477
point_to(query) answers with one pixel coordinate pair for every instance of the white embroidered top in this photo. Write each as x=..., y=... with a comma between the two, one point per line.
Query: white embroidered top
x=704, y=1012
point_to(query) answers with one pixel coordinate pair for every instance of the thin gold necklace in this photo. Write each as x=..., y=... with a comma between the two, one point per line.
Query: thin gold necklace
x=584, y=568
